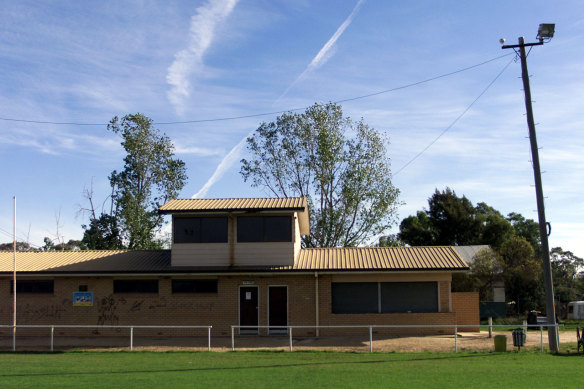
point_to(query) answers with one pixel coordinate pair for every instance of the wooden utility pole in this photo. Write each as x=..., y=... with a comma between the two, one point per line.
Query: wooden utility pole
x=543, y=225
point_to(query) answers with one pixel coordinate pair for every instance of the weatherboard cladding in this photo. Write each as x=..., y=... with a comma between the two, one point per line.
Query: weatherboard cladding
x=238, y=204
x=320, y=259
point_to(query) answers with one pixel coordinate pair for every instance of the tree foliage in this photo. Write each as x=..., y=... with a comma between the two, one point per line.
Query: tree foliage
x=522, y=273
x=527, y=229
x=341, y=166
x=567, y=275
x=515, y=258
x=20, y=246
x=151, y=176
x=103, y=233
x=71, y=245
x=453, y=220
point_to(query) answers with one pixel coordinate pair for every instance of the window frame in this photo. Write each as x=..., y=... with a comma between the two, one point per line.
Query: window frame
x=200, y=230
x=265, y=231
x=430, y=298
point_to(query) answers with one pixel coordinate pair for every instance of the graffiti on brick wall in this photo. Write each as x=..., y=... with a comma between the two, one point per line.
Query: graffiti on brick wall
x=32, y=313
x=107, y=311
x=136, y=306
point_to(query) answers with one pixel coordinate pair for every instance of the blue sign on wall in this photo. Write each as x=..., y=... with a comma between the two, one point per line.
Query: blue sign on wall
x=82, y=298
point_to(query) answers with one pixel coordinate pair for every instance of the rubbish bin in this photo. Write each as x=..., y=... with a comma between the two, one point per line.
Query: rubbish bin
x=500, y=343
x=518, y=337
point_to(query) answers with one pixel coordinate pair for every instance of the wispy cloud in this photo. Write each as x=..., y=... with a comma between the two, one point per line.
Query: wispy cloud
x=223, y=166
x=198, y=151
x=319, y=60
x=190, y=60
x=326, y=51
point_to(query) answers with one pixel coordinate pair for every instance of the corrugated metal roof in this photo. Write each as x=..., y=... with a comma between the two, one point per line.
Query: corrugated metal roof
x=87, y=261
x=380, y=258
x=298, y=204
x=324, y=259
x=239, y=204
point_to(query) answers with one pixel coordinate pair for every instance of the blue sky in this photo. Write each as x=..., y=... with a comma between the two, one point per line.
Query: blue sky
x=85, y=62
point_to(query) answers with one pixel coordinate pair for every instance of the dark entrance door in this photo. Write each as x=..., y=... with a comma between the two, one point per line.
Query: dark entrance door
x=248, y=309
x=278, y=308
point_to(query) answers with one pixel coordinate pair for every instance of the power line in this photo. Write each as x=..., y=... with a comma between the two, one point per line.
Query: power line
x=18, y=238
x=454, y=121
x=273, y=112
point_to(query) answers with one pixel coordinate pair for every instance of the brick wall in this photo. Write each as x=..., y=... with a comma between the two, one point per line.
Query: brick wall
x=220, y=310
x=466, y=307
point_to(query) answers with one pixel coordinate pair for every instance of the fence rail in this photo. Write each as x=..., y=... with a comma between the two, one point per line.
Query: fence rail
x=371, y=327
x=131, y=327
x=288, y=329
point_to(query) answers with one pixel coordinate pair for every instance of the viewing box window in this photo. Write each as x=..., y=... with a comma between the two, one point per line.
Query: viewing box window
x=200, y=230
x=264, y=229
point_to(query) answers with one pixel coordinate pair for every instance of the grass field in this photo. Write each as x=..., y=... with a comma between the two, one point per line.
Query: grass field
x=282, y=369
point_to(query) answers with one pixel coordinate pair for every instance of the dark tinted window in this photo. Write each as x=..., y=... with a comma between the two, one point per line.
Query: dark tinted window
x=194, y=286
x=264, y=229
x=409, y=297
x=200, y=230
x=384, y=297
x=354, y=297
x=33, y=286
x=278, y=229
x=250, y=229
x=135, y=286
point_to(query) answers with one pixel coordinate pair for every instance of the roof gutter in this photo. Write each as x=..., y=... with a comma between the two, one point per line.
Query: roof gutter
x=216, y=273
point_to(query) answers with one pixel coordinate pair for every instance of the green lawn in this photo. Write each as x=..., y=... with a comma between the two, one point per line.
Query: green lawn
x=282, y=369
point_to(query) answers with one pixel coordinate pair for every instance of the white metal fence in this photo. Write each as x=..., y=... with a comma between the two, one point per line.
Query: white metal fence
x=397, y=326
x=130, y=327
x=288, y=330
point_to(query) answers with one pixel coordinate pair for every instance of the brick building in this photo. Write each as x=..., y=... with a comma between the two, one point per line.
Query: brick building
x=238, y=262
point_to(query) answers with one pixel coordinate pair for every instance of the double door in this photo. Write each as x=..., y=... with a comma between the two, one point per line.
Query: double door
x=249, y=309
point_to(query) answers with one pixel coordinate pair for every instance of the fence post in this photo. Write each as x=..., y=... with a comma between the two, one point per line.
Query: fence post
x=290, y=328
x=52, y=337
x=455, y=339
x=209, y=339
x=370, y=339
x=541, y=337
x=131, y=338
x=525, y=326
x=490, y=327
x=232, y=339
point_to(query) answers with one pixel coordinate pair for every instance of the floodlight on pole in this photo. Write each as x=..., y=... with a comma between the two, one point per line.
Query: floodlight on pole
x=544, y=33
